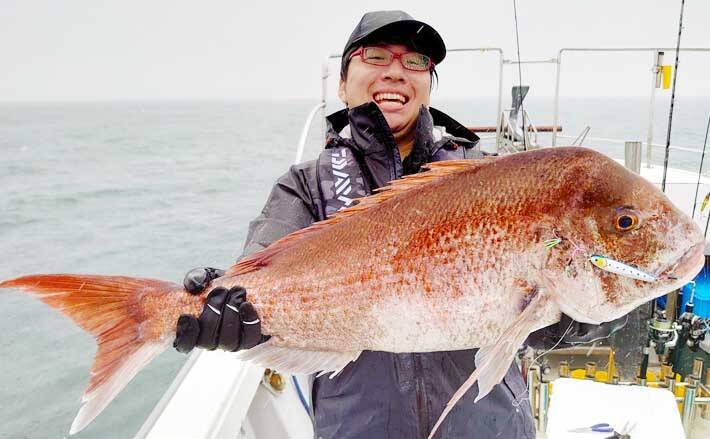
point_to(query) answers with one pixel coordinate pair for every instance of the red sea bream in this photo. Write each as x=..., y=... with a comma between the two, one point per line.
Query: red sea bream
x=453, y=258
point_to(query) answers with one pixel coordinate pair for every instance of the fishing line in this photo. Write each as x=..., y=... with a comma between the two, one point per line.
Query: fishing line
x=534, y=361
x=520, y=75
x=562, y=337
x=700, y=172
x=670, y=115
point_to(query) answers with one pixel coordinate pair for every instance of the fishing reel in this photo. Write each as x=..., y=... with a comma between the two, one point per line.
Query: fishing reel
x=663, y=334
x=693, y=328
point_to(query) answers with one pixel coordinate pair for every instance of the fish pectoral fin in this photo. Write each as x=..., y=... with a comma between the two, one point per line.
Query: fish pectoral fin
x=300, y=361
x=493, y=361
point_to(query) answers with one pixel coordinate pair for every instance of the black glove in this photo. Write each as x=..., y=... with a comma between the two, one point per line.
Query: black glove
x=228, y=321
x=197, y=279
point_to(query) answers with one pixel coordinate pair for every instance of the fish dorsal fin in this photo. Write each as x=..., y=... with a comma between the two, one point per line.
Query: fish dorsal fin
x=435, y=172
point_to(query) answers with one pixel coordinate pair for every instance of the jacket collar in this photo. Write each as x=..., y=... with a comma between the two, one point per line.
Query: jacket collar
x=368, y=129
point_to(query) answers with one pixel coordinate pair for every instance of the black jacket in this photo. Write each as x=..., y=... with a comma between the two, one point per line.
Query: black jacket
x=386, y=395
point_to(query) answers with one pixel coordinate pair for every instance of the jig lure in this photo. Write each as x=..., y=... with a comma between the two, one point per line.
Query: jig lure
x=614, y=266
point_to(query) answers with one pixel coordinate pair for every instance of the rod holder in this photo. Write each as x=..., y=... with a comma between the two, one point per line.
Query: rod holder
x=632, y=156
x=533, y=380
x=689, y=408
x=564, y=369
x=544, y=402
x=698, y=367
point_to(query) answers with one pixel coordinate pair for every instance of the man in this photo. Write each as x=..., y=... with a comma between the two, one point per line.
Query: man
x=387, y=131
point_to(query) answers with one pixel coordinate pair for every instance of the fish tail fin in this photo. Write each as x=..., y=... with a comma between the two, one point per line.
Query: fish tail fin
x=108, y=307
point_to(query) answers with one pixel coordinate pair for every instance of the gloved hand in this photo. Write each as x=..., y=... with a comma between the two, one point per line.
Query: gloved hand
x=228, y=321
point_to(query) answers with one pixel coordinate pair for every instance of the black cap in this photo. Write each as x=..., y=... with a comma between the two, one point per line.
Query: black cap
x=381, y=26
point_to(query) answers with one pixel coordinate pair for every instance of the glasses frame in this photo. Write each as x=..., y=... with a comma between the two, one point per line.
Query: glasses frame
x=395, y=56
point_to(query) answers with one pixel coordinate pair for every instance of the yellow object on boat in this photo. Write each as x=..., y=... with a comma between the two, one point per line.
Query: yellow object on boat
x=581, y=374
x=667, y=73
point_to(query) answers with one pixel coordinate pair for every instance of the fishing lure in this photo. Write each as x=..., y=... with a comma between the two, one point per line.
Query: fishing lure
x=704, y=204
x=614, y=266
x=602, y=262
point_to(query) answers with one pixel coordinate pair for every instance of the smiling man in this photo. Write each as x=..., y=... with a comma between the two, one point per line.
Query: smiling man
x=386, y=131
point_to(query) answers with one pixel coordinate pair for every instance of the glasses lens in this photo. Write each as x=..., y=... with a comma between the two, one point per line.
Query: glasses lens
x=415, y=61
x=377, y=56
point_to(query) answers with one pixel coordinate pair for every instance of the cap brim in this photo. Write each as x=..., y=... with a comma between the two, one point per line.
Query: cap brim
x=424, y=37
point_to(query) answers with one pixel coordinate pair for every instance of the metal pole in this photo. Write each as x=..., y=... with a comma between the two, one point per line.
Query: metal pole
x=698, y=367
x=689, y=408
x=543, y=402
x=556, y=108
x=670, y=381
x=657, y=60
x=533, y=380
x=304, y=133
x=324, y=97
x=500, y=99
x=632, y=156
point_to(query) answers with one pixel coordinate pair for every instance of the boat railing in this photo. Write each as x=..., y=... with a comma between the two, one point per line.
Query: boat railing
x=657, y=55
x=517, y=138
x=304, y=132
x=620, y=141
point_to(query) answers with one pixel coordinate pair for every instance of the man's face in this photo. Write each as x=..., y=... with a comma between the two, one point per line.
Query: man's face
x=398, y=92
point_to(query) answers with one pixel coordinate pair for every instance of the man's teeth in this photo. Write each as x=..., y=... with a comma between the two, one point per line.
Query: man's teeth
x=390, y=97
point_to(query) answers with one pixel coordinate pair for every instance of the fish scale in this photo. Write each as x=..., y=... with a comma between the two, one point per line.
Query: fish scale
x=454, y=258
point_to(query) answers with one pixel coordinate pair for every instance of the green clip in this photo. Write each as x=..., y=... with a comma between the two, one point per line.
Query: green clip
x=550, y=243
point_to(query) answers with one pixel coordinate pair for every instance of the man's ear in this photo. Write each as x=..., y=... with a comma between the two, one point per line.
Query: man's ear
x=341, y=92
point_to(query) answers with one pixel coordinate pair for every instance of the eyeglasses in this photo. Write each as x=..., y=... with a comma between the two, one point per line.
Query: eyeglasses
x=379, y=56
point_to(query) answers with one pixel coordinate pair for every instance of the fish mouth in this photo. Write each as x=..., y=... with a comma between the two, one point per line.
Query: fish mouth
x=688, y=265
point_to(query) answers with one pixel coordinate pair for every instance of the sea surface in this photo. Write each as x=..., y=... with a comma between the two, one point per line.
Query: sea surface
x=153, y=189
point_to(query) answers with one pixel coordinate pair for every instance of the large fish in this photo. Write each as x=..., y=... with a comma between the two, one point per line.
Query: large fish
x=469, y=254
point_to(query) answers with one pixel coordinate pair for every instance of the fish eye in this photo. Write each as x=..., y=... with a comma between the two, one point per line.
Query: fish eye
x=626, y=220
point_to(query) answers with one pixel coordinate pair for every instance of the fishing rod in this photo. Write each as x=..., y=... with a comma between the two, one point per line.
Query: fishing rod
x=647, y=348
x=670, y=115
x=520, y=75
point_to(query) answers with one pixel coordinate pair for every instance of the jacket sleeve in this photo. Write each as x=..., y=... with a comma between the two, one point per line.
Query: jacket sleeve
x=291, y=206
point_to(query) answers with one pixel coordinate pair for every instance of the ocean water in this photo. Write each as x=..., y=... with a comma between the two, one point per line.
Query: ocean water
x=153, y=189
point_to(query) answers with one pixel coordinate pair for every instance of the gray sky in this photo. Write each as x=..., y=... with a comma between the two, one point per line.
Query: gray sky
x=159, y=49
